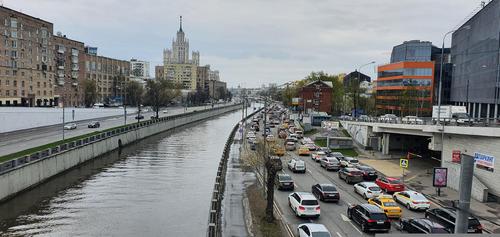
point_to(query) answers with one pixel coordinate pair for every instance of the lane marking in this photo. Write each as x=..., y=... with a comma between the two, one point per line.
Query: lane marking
x=356, y=228
x=338, y=234
x=345, y=218
x=309, y=171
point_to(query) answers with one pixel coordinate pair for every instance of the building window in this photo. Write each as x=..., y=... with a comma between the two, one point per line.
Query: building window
x=13, y=54
x=14, y=83
x=38, y=84
x=38, y=93
x=13, y=34
x=44, y=84
x=13, y=22
x=15, y=92
x=44, y=92
x=22, y=83
x=22, y=92
x=7, y=93
x=7, y=83
x=14, y=44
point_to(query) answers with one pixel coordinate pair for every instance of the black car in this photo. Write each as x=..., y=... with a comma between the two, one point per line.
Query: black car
x=422, y=225
x=139, y=116
x=369, y=173
x=350, y=175
x=253, y=146
x=326, y=192
x=284, y=182
x=94, y=124
x=446, y=216
x=154, y=117
x=369, y=217
x=276, y=160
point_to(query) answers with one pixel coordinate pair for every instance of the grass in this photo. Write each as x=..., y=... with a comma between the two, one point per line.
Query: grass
x=320, y=142
x=258, y=208
x=346, y=152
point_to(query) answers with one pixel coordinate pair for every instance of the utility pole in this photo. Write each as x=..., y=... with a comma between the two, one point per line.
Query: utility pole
x=124, y=92
x=465, y=189
x=63, y=118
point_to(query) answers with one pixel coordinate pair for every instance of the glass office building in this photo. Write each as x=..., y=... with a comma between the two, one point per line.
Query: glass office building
x=475, y=54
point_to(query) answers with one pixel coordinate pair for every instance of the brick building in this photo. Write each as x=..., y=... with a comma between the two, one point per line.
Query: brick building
x=317, y=96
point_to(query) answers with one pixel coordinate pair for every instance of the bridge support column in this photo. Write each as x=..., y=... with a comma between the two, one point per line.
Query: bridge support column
x=385, y=143
x=488, y=113
x=474, y=110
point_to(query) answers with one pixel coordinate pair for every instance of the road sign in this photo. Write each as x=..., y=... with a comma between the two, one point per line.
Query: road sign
x=403, y=163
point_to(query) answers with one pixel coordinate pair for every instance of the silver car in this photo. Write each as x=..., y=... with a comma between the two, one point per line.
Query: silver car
x=70, y=126
x=330, y=163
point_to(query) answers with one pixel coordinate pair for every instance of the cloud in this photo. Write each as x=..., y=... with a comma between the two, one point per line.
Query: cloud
x=258, y=41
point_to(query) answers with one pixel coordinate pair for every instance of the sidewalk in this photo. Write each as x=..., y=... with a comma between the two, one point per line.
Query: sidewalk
x=419, y=178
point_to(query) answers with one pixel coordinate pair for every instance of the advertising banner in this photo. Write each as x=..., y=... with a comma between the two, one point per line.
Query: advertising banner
x=455, y=157
x=485, y=162
x=440, y=177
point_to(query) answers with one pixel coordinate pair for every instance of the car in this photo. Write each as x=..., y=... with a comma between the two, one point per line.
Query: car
x=304, y=151
x=297, y=165
x=326, y=192
x=369, y=173
x=154, y=117
x=337, y=155
x=387, y=204
x=316, y=156
x=282, y=135
x=284, y=182
x=276, y=162
x=311, y=146
x=388, y=118
x=330, y=163
x=299, y=133
x=94, y=124
x=350, y=175
x=313, y=230
x=290, y=146
x=270, y=138
x=412, y=120
x=421, y=225
x=364, y=118
x=291, y=139
x=390, y=184
x=369, y=217
x=304, y=204
x=349, y=162
x=324, y=149
x=412, y=200
x=446, y=216
x=70, y=126
x=367, y=189
x=140, y=116
x=278, y=150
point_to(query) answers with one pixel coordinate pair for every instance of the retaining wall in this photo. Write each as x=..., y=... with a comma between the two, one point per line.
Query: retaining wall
x=24, y=172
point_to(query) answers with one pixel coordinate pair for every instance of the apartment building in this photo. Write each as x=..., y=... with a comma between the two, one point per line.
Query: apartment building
x=110, y=76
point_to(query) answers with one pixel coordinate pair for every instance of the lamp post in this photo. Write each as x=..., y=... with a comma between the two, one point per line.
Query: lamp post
x=357, y=87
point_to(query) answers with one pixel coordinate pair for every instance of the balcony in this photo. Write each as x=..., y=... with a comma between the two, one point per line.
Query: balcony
x=75, y=67
x=60, y=67
x=74, y=84
x=74, y=75
x=60, y=82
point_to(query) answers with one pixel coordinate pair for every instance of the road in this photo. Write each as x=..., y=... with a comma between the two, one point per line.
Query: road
x=25, y=139
x=333, y=215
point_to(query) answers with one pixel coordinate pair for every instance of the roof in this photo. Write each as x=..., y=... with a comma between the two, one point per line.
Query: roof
x=327, y=83
x=370, y=184
x=371, y=208
x=315, y=227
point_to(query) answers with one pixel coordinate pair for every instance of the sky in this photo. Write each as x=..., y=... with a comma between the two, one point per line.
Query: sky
x=255, y=42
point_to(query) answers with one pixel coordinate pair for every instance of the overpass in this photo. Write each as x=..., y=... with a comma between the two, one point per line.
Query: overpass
x=441, y=141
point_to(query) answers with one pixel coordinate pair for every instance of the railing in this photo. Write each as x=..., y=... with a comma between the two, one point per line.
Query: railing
x=214, y=220
x=424, y=121
x=45, y=153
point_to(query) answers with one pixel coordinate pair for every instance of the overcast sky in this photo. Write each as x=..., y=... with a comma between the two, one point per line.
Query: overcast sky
x=258, y=41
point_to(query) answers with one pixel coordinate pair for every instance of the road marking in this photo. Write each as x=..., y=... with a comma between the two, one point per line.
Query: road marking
x=338, y=234
x=411, y=178
x=356, y=228
x=309, y=172
x=344, y=218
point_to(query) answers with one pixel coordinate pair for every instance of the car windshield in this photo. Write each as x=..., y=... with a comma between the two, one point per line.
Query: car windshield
x=355, y=173
x=439, y=230
x=354, y=161
x=321, y=234
x=473, y=222
x=395, y=181
x=374, y=188
x=285, y=178
x=329, y=188
x=309, y=202
x=390, y=204
x=378, y=216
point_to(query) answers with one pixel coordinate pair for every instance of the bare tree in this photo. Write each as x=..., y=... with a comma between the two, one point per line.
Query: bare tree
x=159, y=93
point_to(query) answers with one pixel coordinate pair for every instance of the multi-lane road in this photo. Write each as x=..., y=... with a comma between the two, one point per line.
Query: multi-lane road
x=333, y=215
x=20, y=140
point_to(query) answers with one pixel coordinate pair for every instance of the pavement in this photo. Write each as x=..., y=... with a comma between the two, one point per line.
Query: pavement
x=17, y=141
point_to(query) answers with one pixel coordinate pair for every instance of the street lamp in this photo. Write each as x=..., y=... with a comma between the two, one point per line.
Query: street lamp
x=357, y=85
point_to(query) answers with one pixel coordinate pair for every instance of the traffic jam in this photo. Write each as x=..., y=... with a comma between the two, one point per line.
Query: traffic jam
x=322, y=192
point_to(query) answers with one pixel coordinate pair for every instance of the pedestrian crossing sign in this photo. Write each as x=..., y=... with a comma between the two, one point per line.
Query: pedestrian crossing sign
x=403, y=163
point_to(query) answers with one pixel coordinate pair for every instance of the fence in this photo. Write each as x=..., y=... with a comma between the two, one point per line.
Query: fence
x=45, y=153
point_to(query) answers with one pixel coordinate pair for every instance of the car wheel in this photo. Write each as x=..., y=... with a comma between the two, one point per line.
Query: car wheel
x=349, y=215
x=364, y=196
x=408, y=206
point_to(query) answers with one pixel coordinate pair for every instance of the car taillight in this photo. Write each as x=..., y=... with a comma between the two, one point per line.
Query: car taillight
x=302, y=208
x=371, y=221
x=479, y=227
x=318, y=208
x=415, y=202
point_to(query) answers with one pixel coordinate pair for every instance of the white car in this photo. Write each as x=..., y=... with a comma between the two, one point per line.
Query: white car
x=313, y=230
x=367, y=189
x=412, y=200
x=297, y=165
x=412, y=120
x=251, y=134
x=349, y=162
x=316, y=156
x=70, y=126
x=304, y=204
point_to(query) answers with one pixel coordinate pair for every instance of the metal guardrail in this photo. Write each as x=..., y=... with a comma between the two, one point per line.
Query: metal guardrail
x=14, y=163
x=425, y=121
x=214, y=219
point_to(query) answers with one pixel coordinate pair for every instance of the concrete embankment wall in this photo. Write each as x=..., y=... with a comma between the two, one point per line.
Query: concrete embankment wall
x=28, y=171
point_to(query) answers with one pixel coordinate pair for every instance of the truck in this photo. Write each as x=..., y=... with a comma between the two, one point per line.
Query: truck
x=451, y=114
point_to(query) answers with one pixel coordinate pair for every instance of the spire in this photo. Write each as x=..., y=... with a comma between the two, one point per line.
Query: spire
x=180, y=25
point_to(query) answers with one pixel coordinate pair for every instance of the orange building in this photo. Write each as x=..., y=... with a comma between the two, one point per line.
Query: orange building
x=405, y=88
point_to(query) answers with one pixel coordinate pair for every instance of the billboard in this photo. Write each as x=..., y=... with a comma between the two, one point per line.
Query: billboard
x=440, y=177
x=455, y=156
x=485, y=162
x=295, y=101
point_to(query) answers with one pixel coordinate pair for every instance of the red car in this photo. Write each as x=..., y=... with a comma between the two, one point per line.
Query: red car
x=389, y=184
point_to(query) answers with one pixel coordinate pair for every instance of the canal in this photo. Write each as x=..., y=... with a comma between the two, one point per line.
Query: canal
x=160, y=186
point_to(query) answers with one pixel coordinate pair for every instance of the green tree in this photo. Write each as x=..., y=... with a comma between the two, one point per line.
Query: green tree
x=134, y=93
x=159, y=93
x=90, y=92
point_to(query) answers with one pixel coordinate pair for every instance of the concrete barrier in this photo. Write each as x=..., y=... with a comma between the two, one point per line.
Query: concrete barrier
x=27, y=171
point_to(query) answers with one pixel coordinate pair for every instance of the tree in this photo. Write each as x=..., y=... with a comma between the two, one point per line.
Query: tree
x=90, y=92
x=159, y=93
x=221, y=92
x=135, y=93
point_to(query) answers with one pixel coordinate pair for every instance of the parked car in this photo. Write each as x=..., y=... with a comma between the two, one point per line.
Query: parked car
x=422, y=225
x=297, y=165
x=349, y=162
x=387, y=204
x=284, y=182
x=412, y=120
x=369, y=217
x=326, y=192
x=316, y=156
x=369, y=173
x=388, y=118
x=94, y=124
x=304, y=204
x=304, y=151
x=412, y=200
x=390, y=184
x=367, y=189
x=330, y=163
x=290, y=146
x=313, y=230
x=446, y=216
x=70, y=126
x=364, y=118
x=140, y=116
x=350, y=175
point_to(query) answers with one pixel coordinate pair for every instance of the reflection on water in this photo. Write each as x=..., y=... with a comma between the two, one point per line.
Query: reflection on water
x=160, y=186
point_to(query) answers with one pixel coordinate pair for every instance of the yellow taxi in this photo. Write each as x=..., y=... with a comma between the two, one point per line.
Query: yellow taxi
x=388, y=205
x=278, y=150
x=304, y=151
x=284, y=126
